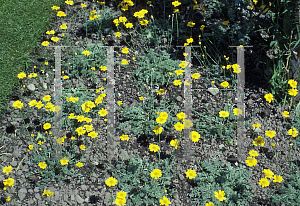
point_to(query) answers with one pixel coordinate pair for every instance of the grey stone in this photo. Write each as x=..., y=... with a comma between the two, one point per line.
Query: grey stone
x=213, y=90
x=31, y=87
x=36, y=189
x=83, y=187
x=14, y=163
x=16, y=153
x=79, y=199
x=22, y=193
x=179, y=98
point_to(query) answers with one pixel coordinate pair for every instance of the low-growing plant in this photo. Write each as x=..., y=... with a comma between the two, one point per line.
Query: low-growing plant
x=136, y=180
x=80, y=64
x=142, y=118
x=289, y=193
x=217, y=176
x=48, y=168
x=154, y=67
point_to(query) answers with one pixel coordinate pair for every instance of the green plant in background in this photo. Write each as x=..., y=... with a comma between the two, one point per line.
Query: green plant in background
x=49, y=168
x=73, y=102
x=142, y=118
x=289, y=193
x=103, y=25
x=80, y=64
x=145, y=185
x=217, y=176
x=162, y=65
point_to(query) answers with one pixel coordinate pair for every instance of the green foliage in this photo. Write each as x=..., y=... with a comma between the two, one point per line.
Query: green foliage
x=218, y=176
x=135, y=179
x=104, y=24
x=289, y=194
x=80, y=65
x=210, y=124
x=161, y=63
x=142, y=118
x=69, y=107
x=54, y=169
x=236, y=32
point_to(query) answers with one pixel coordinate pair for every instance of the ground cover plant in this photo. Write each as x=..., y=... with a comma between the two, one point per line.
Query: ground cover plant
x=150, y=117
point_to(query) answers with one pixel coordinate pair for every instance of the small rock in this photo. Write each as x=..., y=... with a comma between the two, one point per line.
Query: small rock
x=213, y=90
x=22, y=193
x=16, y=153
x=31, y=87
x=83, y=187
x=14, y=163
x=179, y=98
x=79, y=199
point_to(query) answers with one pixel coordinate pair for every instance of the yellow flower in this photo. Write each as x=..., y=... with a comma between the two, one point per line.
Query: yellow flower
x=124, y=62
x=79, y=164
x=264, y=182
x=220, y=195
x=293, y=132
x=176, y=3
x=253, y=153
x=270, y=134
x=191, y=174
x=183, y=64
x=268, y=173
x=125, y=50
x=259, y=141
x=179, y=72
x=63, y=26
x=293, y=92
x=177, y=82
x=237, y=112
x=42, y=165
x=251, y=161
x=194, y=136
x=174, y=143
x=128, y=25
x=116, y=21
x=144, y=22
x=124, y=137
x=196, y=76
x=191, y=24
x=154, y=148
x=111, y=182
x=85, y=52
x=269, y=97
x=122, y=19
x=236, y=68
x=225, y=22
x=7, y=170
x=164, y=201
x=48, y=193
x=190, y=40
x=82, y=147
x=292, y=83
x=156, y=173
x=223, y=114
x=225, y=84
x=18, y=104
x=64, y=161
x=256, y=125
x=61, y=13
x=21, y=75
x=277, y=178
